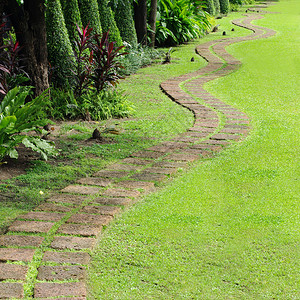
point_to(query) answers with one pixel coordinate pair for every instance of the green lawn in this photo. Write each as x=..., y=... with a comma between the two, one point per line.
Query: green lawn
x=227, y=228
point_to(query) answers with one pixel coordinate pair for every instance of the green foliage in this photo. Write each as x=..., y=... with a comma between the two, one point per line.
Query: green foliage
x=180, y=21
x=217, y=6
x=210, y=7
x=107, y=104
x=137, y=57
x=60, y=51
x=108, y=22
x=17, y=118
x=96, y=106
x=124, y=21
x=89, y=12
x=72, y=17
x=224, y=7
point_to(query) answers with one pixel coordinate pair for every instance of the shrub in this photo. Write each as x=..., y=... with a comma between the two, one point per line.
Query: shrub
x=224, y=6
x=18, y=118
x=72, y=17
x=11, y=69
x=106, y=63
x=210, y=7
x=217, y=6
x=89, y=12
x=90, y=106
x=108, y=22
x=137, y=57
x=60, y=51
x=124, y=21
x=180, y=21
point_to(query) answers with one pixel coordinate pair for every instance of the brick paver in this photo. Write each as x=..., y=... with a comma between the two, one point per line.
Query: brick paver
x=85, y=207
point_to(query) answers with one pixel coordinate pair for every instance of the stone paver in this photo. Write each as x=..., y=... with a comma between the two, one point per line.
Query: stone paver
x=79, y=229
x=114, y=192
x=42, y=216
x=51, y=273
x=45, y=289
x=81, y=189
x=11, y=271
x=67, y=199
x=90, y=219
x=112, y=201
x=30, y=226
x=73, y=242
x=51, y=207
x=101, y=210
x=131, y=184
x=145, y=176
x=10, y=290
x=95, y=181
x=20, y=241
x=16, y=254
x=82, y=258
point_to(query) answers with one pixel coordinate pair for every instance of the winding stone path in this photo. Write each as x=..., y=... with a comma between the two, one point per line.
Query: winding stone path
x=44, y=253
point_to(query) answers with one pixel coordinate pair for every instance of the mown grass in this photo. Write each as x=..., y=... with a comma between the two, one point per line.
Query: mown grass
x=229, y=227
x=156, y=118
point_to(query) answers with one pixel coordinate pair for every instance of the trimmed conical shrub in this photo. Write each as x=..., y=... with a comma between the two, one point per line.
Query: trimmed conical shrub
x=210, y=7
x=108, y=22
x=60, y=53
x=89, y=12
x=217, y=6
x=224, y=7
x=125, y=23
x=72, y=17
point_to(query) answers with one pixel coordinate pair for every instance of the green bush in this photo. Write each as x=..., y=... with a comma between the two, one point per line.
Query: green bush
x=72, y=17
x=180, y=21
x=18, y=118
x=210, y=7
x=125, y=23
x=89, y=12
x=224, y=7
x=138, y=56
x=217, y=6
x=96, y=106
x=60, y=51
x=108, y=22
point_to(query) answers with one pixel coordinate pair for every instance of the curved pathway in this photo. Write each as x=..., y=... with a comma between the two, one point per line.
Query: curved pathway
x=44, y=253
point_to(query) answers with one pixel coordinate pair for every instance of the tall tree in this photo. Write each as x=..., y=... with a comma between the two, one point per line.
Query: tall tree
x=140, y=20
x=28, y=20
x=59, y=45
x=224, y=7
x=152, y=22
x=89, y=12
x=72, y=17
x=108, y=22
x=125, y=23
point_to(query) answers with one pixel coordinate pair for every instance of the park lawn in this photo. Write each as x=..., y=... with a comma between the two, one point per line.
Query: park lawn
x=227, y=228
x=155, y=119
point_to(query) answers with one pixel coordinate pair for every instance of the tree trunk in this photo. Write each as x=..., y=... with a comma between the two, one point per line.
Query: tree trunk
x=29, y=23
x=140, y=19
x=152, y=22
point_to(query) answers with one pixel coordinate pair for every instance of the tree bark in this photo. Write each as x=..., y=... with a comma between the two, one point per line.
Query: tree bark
x=152, y=22
x=30, y=27
x=140, y=19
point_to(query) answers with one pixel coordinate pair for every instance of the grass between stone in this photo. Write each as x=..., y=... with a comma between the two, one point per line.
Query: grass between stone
x=228, y=228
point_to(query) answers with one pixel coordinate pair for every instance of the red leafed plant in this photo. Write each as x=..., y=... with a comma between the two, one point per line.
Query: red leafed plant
x=84, y=60
x=105, y=61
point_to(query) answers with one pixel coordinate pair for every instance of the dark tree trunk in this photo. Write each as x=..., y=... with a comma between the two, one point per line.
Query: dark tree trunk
x=152, y=22
x=29, y=23
x=140, y=19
